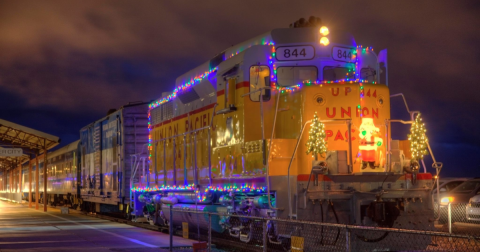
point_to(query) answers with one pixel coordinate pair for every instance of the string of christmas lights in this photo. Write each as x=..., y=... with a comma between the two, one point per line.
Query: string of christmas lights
x=321, y=83
x=273, y=79
x=263, y=42
x=164, y=188
x=418, y=139
x=183, y=87
x=357, y=75
x=316, y=143
x=230, y=188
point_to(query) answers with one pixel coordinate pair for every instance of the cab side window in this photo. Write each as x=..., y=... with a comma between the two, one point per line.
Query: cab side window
x=259, y=78
x=368, y=74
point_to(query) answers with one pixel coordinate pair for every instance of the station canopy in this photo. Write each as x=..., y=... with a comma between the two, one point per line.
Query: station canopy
x=14, y=137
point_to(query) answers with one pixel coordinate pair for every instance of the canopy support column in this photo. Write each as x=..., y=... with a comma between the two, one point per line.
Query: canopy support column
x=20, y=181
x=11, y=180
x=45, y=198
x=37, y=179
x=30, y=182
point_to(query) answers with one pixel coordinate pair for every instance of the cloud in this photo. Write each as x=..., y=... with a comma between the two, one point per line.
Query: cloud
x=86, y=57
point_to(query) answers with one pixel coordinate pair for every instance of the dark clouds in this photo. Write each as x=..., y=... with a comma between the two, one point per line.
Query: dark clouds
x=69, y=62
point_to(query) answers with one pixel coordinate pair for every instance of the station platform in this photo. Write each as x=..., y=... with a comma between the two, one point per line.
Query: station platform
x=27, y=229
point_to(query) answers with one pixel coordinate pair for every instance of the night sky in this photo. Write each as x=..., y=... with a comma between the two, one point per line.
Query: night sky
x=64, y=64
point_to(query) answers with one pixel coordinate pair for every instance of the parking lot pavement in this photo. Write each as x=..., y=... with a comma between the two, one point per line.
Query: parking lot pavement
x=26, y=229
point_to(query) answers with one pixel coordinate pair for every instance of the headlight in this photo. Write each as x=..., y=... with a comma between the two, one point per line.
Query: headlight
x=324, y=31
x=446, y=200
x=324, y=41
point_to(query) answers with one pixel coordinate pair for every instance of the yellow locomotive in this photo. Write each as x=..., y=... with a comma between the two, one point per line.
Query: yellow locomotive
x=232, y=138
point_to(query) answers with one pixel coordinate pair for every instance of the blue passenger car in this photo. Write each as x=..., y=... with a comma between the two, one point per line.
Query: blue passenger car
x=106, y=146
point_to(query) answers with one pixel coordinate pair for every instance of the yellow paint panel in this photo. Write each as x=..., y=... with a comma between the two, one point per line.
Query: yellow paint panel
x=237, y=135
x=289, y=115
x=183, y=145
x=341, y=101
x=185, y=230
x=297, y=244
x=280, y=156
x=405, y=146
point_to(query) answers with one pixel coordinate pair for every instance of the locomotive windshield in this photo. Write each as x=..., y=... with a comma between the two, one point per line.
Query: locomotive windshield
x=336, y=73
x=289, y=76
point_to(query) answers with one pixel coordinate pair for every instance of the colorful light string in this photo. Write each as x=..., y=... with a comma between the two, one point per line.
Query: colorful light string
x=273, y=79
x=362, y=94
x=182, y=88
x=321, y=83
x=241, y=49
x=162, y=188
x=296, y=87
x=201, y=196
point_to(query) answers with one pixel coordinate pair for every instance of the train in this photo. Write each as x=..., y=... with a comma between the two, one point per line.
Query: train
x=235, y=137
x=93, y=173
x=291, y=124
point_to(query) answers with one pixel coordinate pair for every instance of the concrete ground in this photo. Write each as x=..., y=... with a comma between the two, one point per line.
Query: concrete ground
x=27, y=229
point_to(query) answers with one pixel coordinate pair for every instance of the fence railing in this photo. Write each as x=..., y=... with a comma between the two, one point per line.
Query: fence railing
x=226, y=232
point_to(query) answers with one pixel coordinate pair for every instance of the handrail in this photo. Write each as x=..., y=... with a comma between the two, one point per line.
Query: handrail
x=349, y=121
x=259, y=89
x=210, y=179
x=175, y=136
x=181, y=134
x=406, y=105
x=400, y=121
x=289, y=165
x=389, y=146
x=164, y=140
x=267, y=166
x=437, y=165
x=265, y=161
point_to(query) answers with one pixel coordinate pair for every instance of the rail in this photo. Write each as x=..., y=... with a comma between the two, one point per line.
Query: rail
x=436, y=165
x=265, y=159
x=136, y=156
x=349, y=122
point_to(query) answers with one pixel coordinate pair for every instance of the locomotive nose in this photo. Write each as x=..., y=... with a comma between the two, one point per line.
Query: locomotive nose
x=354, y=117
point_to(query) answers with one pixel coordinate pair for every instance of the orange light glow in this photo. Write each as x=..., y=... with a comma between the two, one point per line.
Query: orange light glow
x=324, y=31
x=324, y=41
